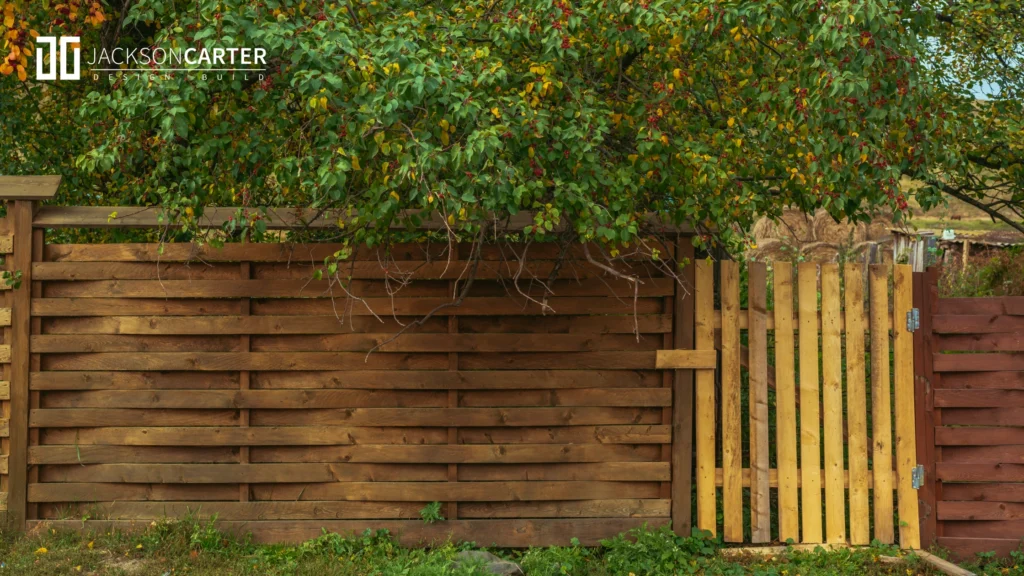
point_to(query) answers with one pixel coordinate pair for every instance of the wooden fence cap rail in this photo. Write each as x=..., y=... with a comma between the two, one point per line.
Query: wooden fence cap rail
x=28, y=187
x=275, y=218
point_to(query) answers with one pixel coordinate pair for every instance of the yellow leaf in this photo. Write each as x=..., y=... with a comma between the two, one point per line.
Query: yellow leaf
x=677, y=73
x=109, y=218
x=530, y=152
x=22, y=75
x=139, y=547
x=451, y=219
x=90, y=544
x=852, y=18
x=444, y=138
x=355, y=163
x=395, y=196
x=732, y=122
x=323, y=102
x=444, y=124
x=496, y=112
x=312, y=102
x=42, y=551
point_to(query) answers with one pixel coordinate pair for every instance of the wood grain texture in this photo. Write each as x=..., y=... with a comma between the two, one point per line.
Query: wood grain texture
x=785, y=404
x=881, y=410
x=760, y=501
x=832, y=402
x=732, y=449
x=20, y=214
x=28, y=188
x=810, y=404
x=856, y=403
x=683, y=333
x=705, y=399
x=903, y=381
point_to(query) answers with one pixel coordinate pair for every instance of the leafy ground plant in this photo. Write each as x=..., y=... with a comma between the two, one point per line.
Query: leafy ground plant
x=196, y=547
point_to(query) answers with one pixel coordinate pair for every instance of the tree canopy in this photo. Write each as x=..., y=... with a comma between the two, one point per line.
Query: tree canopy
x=592, y=114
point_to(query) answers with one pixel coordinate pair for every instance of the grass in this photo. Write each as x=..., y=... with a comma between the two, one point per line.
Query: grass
x=194, y=547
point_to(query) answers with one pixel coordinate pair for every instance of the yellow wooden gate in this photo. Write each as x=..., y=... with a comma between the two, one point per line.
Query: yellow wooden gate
x=835, y=378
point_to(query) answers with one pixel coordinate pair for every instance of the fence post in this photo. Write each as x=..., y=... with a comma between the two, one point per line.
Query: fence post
x=21, y=194
x=926, y=301
x=682, y=395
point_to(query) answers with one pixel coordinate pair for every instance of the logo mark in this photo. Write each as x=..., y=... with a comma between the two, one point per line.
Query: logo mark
x=59, y=63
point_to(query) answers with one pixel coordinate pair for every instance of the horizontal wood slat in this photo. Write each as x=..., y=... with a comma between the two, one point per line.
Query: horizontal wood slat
x=976, y=323
x=6, y=243
x=773, y=478
x=355, y=379
x=978, y=362
x=398, y=417
x=509, y=343
x=348, y=325
x=292, y=399
x=770, y=321
x=380, y=306
x=348, y=488
x=686, y=359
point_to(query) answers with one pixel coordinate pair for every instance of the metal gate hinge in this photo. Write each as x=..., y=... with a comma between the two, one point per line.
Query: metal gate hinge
x=917, y=477
x=913, y=319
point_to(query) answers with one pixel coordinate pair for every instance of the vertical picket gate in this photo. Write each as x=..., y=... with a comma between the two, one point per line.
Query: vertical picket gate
x=833, y=370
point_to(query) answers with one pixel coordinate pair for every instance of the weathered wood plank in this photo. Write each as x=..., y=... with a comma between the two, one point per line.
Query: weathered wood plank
x=785, y=402
x=580, y=326
x=296, y=280
x=355, y=379
x=760, y=501
x=220, y=361
x=292, y=399
x=810, y=403
x=704, y=294
x=881, y=412
x=400, y=417
x=906, y=440
x=978, y=362
x=832, y=402
x=457, y=491
x=309, y=288
x=20, y=214
x=647, y=434
x=370, y=306
x=269, y=473
x=732, y=449
x=28, y=188
x=977, y=323
x=857, y=408
x=5, y=390
x=686, y=359
x=605, y=471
